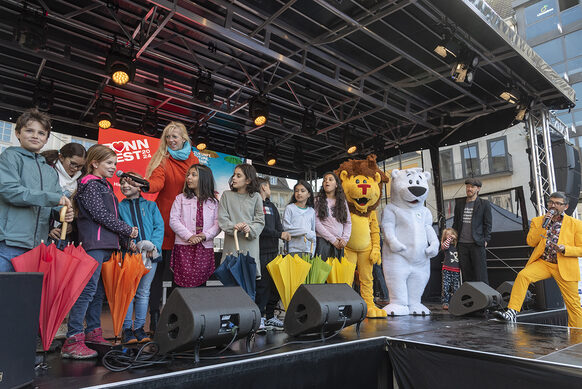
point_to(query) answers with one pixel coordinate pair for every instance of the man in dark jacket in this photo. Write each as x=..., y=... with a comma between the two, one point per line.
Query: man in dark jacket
x=473, y=224
x=267, y=296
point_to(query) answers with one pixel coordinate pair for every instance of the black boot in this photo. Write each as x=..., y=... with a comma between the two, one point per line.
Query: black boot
x=154, y=318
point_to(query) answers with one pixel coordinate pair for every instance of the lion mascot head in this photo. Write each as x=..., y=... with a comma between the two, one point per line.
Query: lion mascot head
x=361, y=180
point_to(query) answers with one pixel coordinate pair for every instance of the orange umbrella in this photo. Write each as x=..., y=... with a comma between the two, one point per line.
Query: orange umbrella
x=120, y=280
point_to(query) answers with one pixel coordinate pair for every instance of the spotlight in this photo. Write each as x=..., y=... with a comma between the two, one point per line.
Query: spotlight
x=259, y=110
x=447, y=46
x=350, y=141
x=149, y=123
x=104, y=113
x=308, y=123
x=464, y=69
x=120, y=64
x=43, y=97
x=202, y=138
x=30, y=30
x=521, y=111
x=203, y=89
x=241, y=147
x=509, y=97
x=270, y=153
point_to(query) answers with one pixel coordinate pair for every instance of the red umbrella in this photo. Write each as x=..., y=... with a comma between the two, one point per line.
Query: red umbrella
x=65, y=275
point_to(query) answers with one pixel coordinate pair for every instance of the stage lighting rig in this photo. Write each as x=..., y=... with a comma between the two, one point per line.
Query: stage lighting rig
x=463, y=70
x=259, y=110
x=149, y=123
x=308, y=123
x=203, y=88
x=350, y=141
x=270, y=153
x=120, y=64
x=104, y=113
x=31, y=29
x=44, y=95
x=241, y=145
x=202, y=138
x=448, y=46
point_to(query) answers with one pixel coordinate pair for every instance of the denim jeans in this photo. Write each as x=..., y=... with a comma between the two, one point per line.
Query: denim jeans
x=141, y=301
x=89, y=304
x=7, y=253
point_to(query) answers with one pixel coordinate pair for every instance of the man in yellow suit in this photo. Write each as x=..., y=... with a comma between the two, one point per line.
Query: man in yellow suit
x=557, y=239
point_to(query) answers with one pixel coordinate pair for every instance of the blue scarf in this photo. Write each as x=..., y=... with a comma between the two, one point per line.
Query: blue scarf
x=183, y=153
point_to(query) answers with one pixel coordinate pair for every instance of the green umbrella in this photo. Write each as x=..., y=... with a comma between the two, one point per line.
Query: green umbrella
x=319, y=270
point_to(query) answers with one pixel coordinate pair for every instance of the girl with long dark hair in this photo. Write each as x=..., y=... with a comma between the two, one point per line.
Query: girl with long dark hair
x=299, y=219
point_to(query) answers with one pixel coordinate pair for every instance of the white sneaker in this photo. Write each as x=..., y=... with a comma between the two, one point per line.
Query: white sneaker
x=262, y=327
x=274, y=323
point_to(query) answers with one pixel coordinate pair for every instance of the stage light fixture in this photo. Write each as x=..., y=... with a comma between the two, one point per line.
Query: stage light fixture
x=203, y=89
x=259, y=110
x=202, y=138
x=464, y=69
x=105, y=113
x=308, y=123
x=448, y=46
x=31, y=30
x=270, y=153
x=43, y=97
x=350, y=141
x=509, y=97
x=241, y=147
x=149, y=123
x=120, y=64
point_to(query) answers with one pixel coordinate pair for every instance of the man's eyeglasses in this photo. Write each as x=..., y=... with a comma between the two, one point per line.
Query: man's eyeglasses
x=550, y=203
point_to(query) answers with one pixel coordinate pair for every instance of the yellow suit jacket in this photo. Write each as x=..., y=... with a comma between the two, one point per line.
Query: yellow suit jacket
x=570, y=237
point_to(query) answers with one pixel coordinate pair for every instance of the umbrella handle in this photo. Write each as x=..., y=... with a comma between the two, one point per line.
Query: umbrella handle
x=65, y=224
x=236, y=240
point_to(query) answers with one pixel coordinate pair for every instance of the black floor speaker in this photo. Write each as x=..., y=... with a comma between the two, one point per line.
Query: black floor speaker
x=505, y=291
x=548, y=295
x=200, y=317
x=319, y=308
x=20, y=306
x=473, y=297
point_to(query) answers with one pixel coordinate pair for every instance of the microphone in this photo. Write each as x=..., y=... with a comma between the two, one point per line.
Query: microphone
x=548, y=219
x=145, y=185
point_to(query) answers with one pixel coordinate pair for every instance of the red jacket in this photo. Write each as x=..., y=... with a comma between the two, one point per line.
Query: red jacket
x=168, y=179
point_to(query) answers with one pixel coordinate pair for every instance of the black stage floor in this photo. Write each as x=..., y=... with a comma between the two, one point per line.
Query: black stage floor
x=430, y=344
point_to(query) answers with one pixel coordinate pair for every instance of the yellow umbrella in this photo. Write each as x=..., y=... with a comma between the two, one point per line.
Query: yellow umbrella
x=341, y=272
x=288, y=273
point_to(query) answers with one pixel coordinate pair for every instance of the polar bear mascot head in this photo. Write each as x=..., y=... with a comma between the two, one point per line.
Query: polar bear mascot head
x=409, y=188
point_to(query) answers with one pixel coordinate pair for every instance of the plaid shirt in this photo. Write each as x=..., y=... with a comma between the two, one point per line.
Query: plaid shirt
x=550, y=253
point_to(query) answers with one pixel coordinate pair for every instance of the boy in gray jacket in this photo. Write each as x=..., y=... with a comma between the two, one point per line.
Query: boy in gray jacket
x=29, y=190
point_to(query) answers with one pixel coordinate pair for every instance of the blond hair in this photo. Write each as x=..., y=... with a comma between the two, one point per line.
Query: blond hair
x=97, y=153
x=453, y=234
x=162, y=151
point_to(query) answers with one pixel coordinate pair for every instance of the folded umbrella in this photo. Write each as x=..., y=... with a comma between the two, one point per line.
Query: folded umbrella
x=319, y=270
x=288, y=273
x=342, y=272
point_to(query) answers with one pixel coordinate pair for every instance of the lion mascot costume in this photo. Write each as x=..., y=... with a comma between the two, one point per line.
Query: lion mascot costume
x=361, y=181
x=409, y=242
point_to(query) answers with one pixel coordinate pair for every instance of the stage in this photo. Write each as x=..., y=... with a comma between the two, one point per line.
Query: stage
x=436, y=351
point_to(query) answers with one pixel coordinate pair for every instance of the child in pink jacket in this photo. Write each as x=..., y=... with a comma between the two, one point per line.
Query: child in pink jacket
x=194, y=219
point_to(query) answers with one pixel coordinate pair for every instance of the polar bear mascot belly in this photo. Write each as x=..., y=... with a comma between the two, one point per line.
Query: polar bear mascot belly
x=409, y=242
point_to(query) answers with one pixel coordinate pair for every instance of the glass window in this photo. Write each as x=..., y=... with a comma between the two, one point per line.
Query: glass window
x=86, y=143
x=545, y=26
x=560, y=68
x=575, y=66
x=578, y=118
x=5, y=131
x=551, y=51
x=471, y=162
x=571, y=15
x=565, y=4
x=573, y=45
x=498, y=157
x=273, y=180
x=540, y=10
x=446, y=162
x=578, y=89
x=566, y=118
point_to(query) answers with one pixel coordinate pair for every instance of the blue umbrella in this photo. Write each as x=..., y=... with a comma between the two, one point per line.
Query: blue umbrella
x=239, y=269
x=223, y=273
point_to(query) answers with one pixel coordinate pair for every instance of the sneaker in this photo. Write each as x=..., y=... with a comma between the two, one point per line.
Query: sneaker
x=96, y=336
x=75, y=348
x=262, y=328
x=274, y=323
x=141, y=335
x=509, y=315
x=128, y=337
x=446, y=306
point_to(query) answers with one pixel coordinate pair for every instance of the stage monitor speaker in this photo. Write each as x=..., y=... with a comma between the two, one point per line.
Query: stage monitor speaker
x=473, y=297
x=567, y=170
x=20, y=306
x=320, y=308
x=505, y=290
x=201, y=317
x=548, y=295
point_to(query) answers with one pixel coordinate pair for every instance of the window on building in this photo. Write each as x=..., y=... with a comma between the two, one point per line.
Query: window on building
x=551, y=51
x=539, y=11
x=471, y=162
x=499, y=158
x=565, y=4
x=546, y=26
x=446, y=164
x=574, y=66
x=5, y=131
x=273, y=180
x=84, y=142
x=572, y=44
x=502, y=200
x=449, y=208
x=572, y=15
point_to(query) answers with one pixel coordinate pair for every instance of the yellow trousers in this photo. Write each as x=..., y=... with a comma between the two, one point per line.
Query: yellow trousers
x=365, y=269
x=541, y=270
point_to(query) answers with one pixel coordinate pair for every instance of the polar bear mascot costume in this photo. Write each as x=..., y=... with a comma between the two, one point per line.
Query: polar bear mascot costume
x=409, y=242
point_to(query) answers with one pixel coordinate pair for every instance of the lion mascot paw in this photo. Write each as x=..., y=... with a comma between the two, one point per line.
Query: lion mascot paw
x=361, y=181
x=409, y=242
